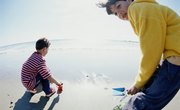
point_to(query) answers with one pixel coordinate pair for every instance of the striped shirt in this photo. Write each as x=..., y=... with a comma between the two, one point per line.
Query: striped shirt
x=35, y=64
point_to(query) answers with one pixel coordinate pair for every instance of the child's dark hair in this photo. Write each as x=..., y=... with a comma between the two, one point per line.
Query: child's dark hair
x=107, y=5
x=41, y=43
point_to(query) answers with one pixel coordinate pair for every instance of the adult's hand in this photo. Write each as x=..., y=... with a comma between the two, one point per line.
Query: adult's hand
x=133, y=90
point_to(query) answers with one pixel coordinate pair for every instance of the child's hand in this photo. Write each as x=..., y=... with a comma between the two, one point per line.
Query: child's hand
x=60, y=88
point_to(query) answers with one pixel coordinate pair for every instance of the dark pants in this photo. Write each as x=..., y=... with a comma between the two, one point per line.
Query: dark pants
x=164, y=87
x=45, y=84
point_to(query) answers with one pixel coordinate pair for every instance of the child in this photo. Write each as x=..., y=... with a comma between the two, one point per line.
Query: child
x=34, y=70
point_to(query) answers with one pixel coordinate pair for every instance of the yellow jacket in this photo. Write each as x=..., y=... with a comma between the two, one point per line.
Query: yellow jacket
x=158, y=28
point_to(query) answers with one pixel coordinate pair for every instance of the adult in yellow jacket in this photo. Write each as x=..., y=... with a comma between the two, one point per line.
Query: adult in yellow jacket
x=158, y=30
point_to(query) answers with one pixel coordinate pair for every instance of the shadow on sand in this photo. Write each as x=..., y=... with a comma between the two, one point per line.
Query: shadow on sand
x=24, y=103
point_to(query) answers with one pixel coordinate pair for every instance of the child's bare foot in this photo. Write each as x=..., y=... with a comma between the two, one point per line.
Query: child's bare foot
x=34, y=91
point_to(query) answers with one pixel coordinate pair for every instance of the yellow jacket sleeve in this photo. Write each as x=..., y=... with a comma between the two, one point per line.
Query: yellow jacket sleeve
x=151, y=44
x=151, y=29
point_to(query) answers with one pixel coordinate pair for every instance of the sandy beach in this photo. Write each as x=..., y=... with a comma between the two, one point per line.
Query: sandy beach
x=88, y=74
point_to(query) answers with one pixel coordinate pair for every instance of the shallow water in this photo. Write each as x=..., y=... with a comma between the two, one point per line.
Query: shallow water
x=72, y=59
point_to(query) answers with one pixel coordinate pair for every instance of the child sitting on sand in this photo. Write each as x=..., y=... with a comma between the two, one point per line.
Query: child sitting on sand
x=34, y=71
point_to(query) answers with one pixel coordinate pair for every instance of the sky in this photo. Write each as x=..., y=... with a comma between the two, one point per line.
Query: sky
x=29, y=20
